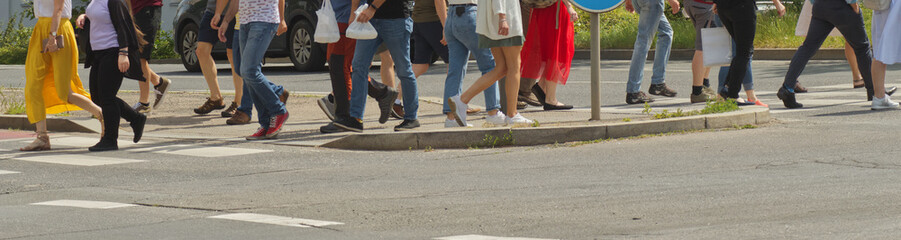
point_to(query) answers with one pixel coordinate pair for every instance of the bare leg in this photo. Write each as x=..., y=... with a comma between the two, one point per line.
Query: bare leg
x=878, y=70
x=550, y=92
x=208, y=67
x=419, y=69
x=751, y=96
x=152, y=80
x=852, y=61
x=513, y=62
x=486, y=80
x=698, y=71
x=238, y=81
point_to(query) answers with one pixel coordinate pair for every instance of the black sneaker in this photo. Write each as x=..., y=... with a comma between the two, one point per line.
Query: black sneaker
x=407, y=125
x=104, y=145
x=137, y=127
x=788, y=98
x=636, y=98
x=349, y=124
x=331, y=128
x=386, y=103
x=661, y=90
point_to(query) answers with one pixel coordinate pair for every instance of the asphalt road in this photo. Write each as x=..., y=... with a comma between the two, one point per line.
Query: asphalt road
x=829, y=171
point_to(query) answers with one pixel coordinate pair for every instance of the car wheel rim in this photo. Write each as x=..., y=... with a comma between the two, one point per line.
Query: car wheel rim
x=189, y=47
x=302, y=45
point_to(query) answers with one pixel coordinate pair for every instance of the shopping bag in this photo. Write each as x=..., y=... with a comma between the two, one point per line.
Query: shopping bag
x=327, y=25
x=361, y=31
x=717, y=45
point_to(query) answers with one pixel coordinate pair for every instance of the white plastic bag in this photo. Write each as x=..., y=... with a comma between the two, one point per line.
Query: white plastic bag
x=361, y=31
x=327, y=25
x=717, y=45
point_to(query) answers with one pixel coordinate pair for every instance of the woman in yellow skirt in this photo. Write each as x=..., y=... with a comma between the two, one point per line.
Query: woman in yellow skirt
x=52, y=83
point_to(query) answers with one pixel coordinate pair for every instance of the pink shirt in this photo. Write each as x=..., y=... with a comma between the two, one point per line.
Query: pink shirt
x=259, y=11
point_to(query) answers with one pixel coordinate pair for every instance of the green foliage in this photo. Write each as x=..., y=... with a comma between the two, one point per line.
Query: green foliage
x=164, y=46
x=627, y=119
x=720, y=107
x=619, y=28
x=711, y=108
x=492, y=141
x=11, y=104
x=14, y=41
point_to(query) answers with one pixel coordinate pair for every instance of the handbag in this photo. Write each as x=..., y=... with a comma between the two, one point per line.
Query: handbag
x=877, y=5
x=717, y=45
x=327, y=24
x=59, y=42
x=361, y=31
x=537, y=3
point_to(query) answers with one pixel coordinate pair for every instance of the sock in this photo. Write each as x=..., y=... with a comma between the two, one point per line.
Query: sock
x=790, y=89
x=707, y=82
x=398, y=102
x=696, y=90
x=158, y=85
x=145, y=104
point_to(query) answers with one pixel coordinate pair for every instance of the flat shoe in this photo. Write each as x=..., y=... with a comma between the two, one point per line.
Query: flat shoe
x=557, y=107
x=858, y=83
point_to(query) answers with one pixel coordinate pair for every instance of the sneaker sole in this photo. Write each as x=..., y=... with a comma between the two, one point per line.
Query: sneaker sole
x=453, y=106
x=162, y=94
x=348, y=128
x=325, y=109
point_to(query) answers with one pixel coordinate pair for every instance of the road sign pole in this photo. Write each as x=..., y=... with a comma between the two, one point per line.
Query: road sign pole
x=595, y=67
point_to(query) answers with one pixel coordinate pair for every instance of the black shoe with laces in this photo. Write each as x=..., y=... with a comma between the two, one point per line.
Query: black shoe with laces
x=638, y=97
x=331, y=128
x=349, y=124
x=386, y=104
x=407, y=125
x=137, y=127
x=661, y=90
x=788, y=98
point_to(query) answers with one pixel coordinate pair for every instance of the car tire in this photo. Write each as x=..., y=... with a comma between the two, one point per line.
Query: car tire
x=304, y=53
x=187, y=47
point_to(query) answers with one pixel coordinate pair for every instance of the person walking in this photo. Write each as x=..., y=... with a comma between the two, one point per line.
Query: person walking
x=499, y=25
x=391, y=19
x=651, y=20
x=828, y=14
x=113, y=44
x=801, y=31
x=886, y=51
x=701, y=14
x=740, y=19
x=260, y=21
x=548, y=51
x=462, y=40
x=206, y=39
x=147, y=18
x=429, y=17
x=52, y=84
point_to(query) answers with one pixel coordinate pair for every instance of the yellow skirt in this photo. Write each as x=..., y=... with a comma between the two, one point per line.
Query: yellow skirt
x=49, y=77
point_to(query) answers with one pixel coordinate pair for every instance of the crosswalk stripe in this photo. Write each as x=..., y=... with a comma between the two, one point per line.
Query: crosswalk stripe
x=7, y=172
x=200, y=151
x=84, y=204
x=78, y=160
x=74, y=141
x=275, y=220
x=483, y=237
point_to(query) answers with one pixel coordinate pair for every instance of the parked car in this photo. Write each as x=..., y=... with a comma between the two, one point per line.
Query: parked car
x=297, y=44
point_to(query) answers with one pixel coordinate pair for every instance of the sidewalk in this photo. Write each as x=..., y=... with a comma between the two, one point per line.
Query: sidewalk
x=175, y=119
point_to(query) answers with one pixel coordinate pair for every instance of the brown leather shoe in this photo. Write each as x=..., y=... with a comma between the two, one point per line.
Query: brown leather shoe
x=209, y=106
x=239, y=118
x=284, y=96
x=230, y=111
x=397, y=111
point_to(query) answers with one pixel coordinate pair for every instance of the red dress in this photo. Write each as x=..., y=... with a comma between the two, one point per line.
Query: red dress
x=549, y=47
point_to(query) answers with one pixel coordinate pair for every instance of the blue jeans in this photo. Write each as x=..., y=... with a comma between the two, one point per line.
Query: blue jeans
x=461, y=37
x=395, y=33
x=747, y=82
x=651, y=19
x=254, y=39
x=246, y=104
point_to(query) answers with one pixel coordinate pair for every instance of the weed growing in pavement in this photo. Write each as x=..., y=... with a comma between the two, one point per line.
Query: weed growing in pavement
x=11, y=104
x=627, y=119
x=602, y=140
x=711, y=108
x=429, y=149
x=720, y=106
x=746, y=126
x=491, y=141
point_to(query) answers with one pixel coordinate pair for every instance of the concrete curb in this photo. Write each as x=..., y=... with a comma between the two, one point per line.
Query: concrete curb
x=55, y=124
x=491, y=137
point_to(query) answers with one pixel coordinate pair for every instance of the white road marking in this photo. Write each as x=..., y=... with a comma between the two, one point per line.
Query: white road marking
x=73, y=141
x=198, y=151
x=483, y=237
x=276, y=220
x=84, y=204
x=7, y=172
x=78, y=160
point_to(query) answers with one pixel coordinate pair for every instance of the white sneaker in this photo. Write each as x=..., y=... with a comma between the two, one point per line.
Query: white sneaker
x=450, y=123
x=458, y=108
x=519, y=120
x=499, y=119
x=883, y=103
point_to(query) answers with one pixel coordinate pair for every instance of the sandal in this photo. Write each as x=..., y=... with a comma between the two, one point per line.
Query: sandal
x=41, y=143
x=858, y=83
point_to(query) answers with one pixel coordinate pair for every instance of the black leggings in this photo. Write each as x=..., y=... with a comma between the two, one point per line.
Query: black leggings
x=740, y=19
x=105, y=81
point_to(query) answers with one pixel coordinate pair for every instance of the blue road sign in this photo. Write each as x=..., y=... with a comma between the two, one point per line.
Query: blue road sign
x=598, y=6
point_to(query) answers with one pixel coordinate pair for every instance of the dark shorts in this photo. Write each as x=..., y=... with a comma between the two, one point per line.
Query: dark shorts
x=427, y=40
x=700, y=14
x=210, y=35
x=148, y=21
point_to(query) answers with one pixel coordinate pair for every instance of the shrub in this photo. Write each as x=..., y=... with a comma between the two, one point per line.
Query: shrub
x=164, y=46
x=14, y=41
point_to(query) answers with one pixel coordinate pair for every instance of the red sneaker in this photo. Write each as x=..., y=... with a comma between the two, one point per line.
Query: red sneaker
x=275, y=124
x=260, y=134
